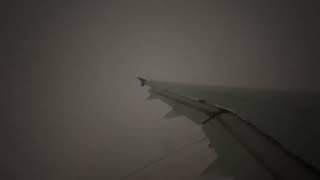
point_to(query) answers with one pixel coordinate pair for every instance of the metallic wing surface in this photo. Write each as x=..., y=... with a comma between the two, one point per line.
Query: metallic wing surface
x=257, y=134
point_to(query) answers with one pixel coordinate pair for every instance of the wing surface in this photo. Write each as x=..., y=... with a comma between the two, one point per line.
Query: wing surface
x=254, y=132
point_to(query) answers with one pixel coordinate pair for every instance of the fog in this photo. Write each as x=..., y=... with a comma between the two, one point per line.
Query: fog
x=72, y=108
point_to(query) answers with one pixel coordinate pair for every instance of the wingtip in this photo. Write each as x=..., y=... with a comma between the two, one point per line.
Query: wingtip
x=142, y=80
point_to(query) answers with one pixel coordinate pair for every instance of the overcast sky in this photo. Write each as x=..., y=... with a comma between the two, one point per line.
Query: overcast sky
x=72, y=105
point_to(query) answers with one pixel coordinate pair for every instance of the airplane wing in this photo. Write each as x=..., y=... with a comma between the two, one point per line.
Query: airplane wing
x=257, y=134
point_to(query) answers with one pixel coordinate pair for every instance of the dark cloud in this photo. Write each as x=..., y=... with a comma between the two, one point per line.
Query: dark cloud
x=72, y=105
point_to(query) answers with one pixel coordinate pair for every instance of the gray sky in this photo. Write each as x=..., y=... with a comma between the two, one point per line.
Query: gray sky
x=73, y=108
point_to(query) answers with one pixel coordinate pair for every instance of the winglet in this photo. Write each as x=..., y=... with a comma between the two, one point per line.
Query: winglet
x=142, y=81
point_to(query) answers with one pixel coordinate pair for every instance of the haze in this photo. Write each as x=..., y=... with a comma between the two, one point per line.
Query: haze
x=74, y=110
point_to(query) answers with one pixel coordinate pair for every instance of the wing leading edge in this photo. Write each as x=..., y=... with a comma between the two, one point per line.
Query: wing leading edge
x=266, y=151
